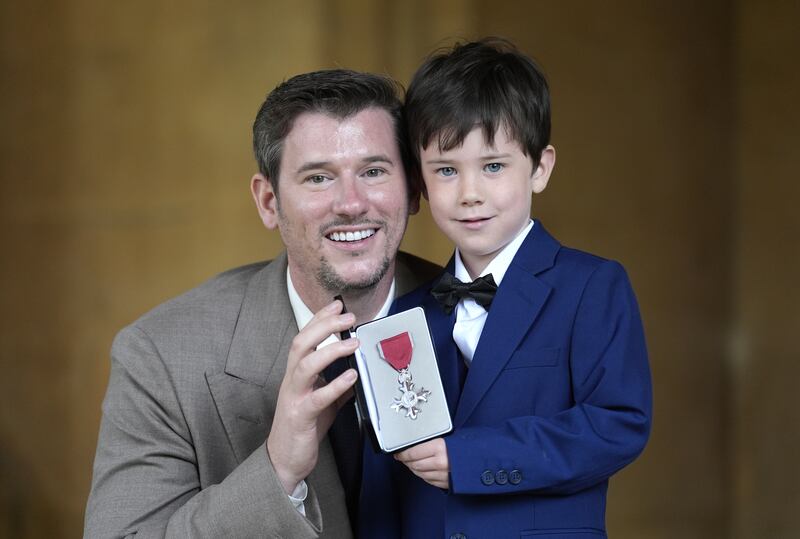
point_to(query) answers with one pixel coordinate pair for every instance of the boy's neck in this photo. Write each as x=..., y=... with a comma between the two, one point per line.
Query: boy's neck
x=475, y=268
x=475, y=265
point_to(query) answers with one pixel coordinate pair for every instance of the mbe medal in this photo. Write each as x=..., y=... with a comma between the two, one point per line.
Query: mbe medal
x=397, y=352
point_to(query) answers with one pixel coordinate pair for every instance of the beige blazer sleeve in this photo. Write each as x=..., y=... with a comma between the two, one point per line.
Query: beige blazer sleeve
x=190, y=401
x=192, y=389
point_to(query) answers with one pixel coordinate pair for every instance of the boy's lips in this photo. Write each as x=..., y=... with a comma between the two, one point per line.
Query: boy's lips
x=474, y=223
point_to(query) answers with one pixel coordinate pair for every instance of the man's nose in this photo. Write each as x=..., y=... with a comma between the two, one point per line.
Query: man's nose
x=351, y=198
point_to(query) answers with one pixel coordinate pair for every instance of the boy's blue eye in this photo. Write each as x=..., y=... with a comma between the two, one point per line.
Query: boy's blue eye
x=493, y=167
x=446, y=171
x=316, y=179
x=374, y=173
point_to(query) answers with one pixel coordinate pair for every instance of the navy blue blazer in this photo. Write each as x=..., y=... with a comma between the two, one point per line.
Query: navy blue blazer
x=558, y=398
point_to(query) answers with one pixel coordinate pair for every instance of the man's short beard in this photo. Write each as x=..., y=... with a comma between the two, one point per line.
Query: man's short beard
x=336, y=284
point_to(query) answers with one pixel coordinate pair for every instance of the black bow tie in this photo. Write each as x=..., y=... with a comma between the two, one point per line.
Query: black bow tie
x=449, y=291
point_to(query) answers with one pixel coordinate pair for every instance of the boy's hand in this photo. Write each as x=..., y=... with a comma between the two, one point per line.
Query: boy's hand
x=428, y=461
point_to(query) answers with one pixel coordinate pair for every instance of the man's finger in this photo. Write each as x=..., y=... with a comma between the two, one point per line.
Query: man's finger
x=309, y=367
x=329, y=394
x=344, y=398
x=325, y=323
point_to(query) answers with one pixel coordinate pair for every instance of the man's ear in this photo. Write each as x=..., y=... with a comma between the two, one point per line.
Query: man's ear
x=266, y=200
x=541, y=175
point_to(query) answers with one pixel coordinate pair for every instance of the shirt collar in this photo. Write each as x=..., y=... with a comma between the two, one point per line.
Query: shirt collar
x=303, y=315
x=500, y=263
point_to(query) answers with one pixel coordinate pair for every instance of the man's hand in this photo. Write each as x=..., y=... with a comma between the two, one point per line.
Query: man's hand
x=428, y=461
x=307, y=405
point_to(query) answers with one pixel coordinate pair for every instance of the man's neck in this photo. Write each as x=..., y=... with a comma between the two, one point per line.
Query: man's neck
x=365, y=304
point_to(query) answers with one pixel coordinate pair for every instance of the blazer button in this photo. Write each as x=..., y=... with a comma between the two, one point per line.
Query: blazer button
x=487, y=477
x=515, y=477
x=458, y=536
x=501, y=477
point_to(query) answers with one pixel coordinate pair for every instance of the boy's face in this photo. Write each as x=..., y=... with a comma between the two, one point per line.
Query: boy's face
x=480, y=195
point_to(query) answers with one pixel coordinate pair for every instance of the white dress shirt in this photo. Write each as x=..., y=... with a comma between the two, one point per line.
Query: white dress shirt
x=470, y=317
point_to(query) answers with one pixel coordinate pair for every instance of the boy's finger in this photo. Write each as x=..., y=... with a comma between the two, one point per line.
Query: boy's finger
x=430, y=464
x=421, y=451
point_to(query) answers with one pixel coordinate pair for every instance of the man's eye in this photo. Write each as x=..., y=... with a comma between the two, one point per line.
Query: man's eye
x=374, y=173
x=316, y=179
x=493, y=167
x=446, y=171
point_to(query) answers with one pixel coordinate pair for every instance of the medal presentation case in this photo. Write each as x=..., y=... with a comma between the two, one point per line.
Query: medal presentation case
x=399, y=398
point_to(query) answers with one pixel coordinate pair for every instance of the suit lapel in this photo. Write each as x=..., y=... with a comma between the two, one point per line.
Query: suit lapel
x=447, y=355
x=520, y=298
x=246, y=393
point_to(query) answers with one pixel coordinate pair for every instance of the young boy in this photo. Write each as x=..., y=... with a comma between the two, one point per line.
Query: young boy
x=547, y=381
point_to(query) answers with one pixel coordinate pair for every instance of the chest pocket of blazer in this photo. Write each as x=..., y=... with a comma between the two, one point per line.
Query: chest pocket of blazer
x=541, y=357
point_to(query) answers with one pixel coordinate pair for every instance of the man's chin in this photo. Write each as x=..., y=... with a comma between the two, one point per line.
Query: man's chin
x=349, y=278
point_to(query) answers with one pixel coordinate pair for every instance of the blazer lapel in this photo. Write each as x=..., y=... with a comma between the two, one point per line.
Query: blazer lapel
x=520, y=297
x=245, y=394
x=447, y=355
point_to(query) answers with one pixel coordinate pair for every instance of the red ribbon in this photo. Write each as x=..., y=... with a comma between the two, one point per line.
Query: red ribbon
x=397, y=350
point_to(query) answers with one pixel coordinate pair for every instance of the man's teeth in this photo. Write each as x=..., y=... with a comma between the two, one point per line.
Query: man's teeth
x=352, y=236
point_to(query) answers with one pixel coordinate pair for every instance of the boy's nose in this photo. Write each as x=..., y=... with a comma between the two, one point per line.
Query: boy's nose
x=470, y=190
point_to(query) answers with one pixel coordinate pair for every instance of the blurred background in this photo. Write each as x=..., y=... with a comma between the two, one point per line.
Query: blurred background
x=124, y=169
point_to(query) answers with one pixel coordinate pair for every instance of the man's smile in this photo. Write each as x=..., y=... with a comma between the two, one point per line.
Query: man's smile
x=351, y=235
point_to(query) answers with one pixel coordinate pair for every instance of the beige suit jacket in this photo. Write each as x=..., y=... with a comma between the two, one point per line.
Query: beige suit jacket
x=190, y=401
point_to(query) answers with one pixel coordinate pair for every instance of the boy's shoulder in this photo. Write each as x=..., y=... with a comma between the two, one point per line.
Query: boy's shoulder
x=543, y=256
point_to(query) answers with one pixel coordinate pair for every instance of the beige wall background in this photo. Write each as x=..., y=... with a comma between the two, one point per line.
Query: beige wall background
x=124, y=166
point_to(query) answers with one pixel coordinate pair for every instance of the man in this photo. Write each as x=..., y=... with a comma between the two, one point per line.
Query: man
x=216, y=417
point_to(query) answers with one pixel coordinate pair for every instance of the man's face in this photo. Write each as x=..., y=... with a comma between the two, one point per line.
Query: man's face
x=342, y=203
x=480, y=195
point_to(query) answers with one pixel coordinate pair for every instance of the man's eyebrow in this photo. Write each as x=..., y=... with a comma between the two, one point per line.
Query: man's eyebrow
x=380, y=158
x=313, y=165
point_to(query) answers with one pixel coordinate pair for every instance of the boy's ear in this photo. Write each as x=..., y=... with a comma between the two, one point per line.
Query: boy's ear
x=541, y=175
x=266, y=200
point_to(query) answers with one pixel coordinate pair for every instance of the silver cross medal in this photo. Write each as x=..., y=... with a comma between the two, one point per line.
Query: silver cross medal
x=410, y=397
x=397, y=352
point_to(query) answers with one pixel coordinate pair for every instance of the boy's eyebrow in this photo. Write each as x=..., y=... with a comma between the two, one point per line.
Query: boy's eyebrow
x=438, y=161
x=312, y=165
x=483, y=157
x=495, y=156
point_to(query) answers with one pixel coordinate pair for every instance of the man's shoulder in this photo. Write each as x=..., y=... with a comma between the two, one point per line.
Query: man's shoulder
x=226, y=288
x=203, y=315
x=415, y=297
x=412, y=271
